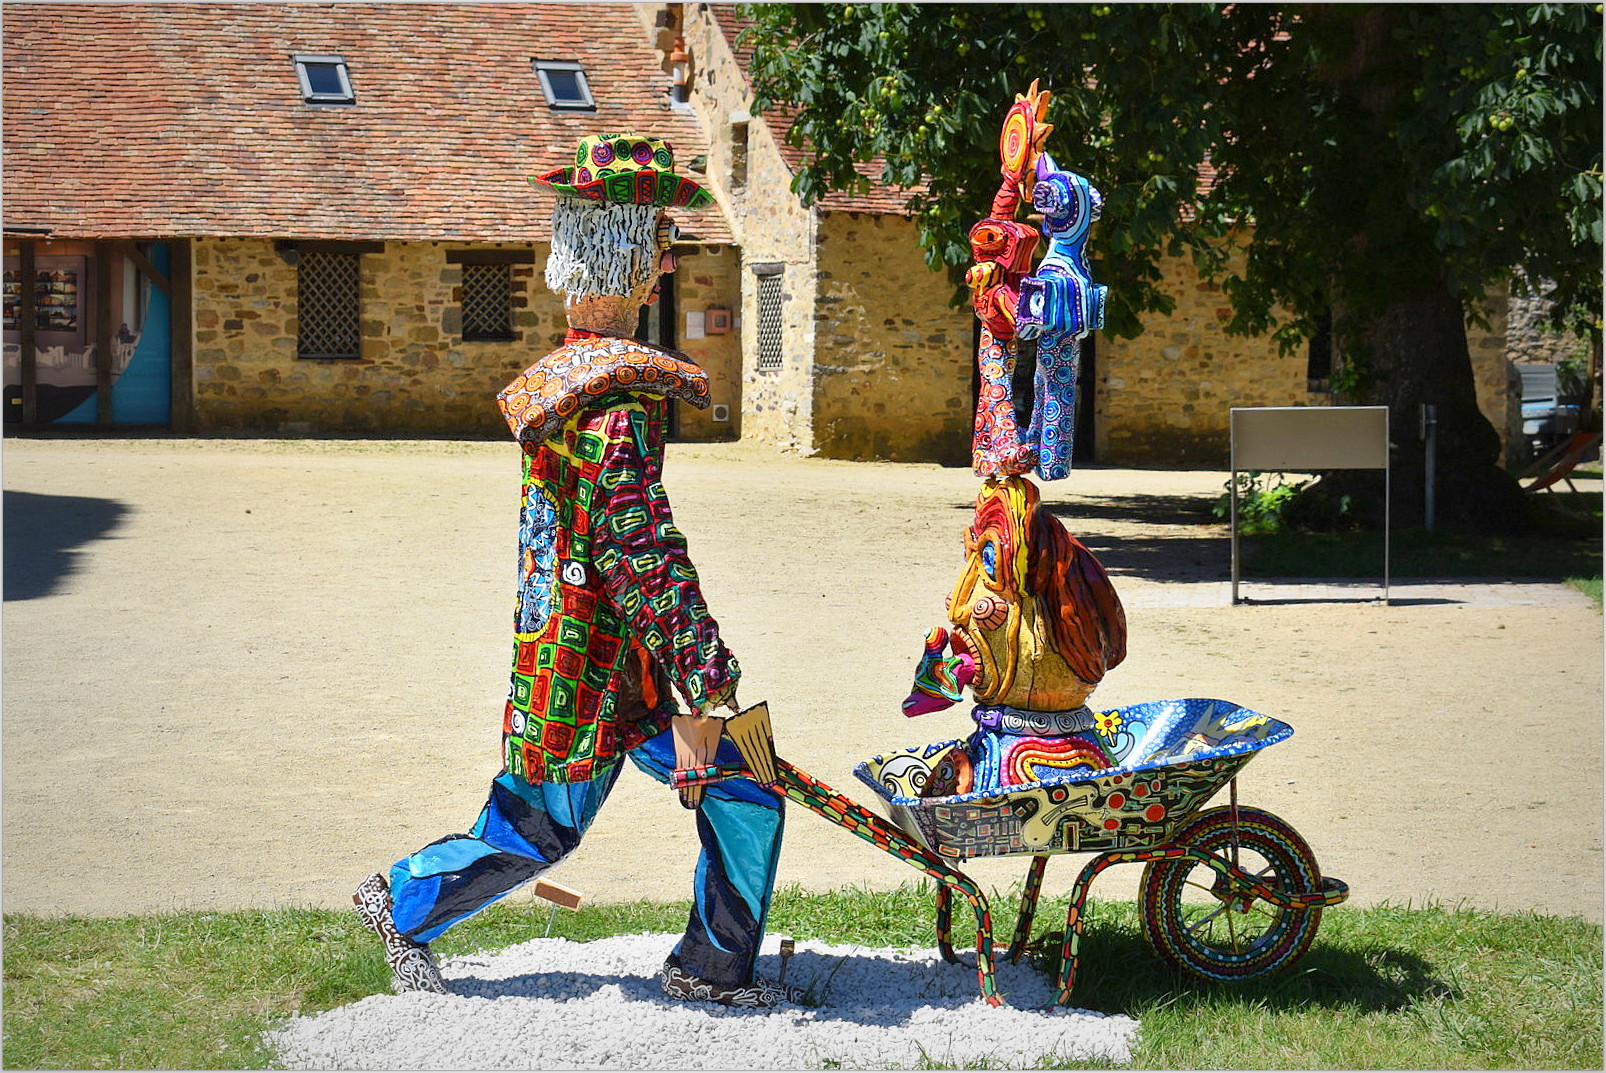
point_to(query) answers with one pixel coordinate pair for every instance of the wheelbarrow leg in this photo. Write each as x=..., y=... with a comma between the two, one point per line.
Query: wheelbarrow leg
x=820, y=799
x=1028, y=908
x=1074, y=917
x=945, y=915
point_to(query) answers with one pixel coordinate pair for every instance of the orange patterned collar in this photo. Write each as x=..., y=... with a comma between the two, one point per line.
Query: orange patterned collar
x=587, y=368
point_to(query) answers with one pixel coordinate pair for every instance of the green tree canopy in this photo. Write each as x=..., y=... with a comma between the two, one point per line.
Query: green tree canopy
x=1378, y=164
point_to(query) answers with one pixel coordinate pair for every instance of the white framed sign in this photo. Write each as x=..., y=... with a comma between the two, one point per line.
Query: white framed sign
x=1305, y=439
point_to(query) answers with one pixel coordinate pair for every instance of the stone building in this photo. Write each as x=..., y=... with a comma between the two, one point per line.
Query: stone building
x=851, y=348
x=314, y=218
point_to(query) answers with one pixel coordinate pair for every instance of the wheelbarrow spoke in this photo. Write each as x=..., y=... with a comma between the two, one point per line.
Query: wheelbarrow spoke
x=1232, y=931
x=1200, y=923
x=1273, y=914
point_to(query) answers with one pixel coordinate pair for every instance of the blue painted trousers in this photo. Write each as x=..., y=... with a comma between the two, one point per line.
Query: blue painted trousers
x=523, y=830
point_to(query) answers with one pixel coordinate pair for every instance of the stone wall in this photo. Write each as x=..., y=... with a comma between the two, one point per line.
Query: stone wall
x=416, y=374
x=710, y=278
x=1530, y=339
x=893, y=364
x=772, y=228
x=1163, y=398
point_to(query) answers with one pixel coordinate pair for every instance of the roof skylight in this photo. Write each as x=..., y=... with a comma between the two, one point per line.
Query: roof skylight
x=324, y=79
x=563, y=82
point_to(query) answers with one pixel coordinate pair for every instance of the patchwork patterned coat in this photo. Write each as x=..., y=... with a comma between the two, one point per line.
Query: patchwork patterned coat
x=610, y=621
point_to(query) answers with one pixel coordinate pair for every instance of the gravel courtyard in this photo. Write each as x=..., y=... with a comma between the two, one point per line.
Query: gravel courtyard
x=247, y=673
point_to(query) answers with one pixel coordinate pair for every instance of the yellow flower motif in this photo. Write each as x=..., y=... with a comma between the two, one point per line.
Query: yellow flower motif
x=1107, y=722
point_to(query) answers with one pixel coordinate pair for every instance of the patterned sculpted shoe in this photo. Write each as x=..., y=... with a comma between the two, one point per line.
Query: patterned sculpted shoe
x=412, y=966
x=682, y=985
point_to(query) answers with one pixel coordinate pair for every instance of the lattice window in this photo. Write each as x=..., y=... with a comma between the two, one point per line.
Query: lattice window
x=329, y=305
x=769, y=322
x=488, y=303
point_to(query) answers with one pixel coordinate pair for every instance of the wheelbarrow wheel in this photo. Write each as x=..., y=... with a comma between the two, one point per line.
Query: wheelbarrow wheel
x=1208, y=924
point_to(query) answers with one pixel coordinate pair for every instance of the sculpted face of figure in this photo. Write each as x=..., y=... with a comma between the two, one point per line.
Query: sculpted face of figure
x=997, y=619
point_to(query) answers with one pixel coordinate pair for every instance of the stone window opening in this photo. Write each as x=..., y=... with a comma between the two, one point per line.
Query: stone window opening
x=324, y=79
x=492, y=286
x=738, y=169
x=563, y=83
x=1319, y=357
x=487, y=303
x=771, y=328
x=328, y=305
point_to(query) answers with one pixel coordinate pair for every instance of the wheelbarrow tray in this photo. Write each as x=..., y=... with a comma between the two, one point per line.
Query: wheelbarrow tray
x=1171, y=758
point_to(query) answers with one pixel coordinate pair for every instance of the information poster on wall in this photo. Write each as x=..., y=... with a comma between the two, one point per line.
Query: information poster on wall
x=57, y=294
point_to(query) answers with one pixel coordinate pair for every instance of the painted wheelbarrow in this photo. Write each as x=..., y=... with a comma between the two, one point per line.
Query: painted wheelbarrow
x=1229, y=892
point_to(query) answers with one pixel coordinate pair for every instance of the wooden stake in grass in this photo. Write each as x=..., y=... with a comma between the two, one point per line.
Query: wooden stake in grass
x=557, y=894
x=788, y=948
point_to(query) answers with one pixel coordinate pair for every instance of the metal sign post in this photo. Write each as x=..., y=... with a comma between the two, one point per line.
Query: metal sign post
x=1307, y=439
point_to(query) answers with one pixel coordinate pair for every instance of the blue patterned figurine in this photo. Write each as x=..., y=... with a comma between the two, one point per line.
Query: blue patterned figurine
x=1059, y=305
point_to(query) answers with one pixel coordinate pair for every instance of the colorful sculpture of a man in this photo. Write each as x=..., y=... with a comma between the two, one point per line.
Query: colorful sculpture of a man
x=610, y=622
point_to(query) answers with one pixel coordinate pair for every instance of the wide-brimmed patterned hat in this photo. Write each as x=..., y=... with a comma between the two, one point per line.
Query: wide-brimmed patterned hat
x=626, y=169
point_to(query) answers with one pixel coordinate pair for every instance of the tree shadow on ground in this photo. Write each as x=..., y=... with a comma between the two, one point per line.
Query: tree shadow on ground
x=1164, y=558
x=1118, y=972
x=1187, y=546
x=1146, y=509
x=43, y=535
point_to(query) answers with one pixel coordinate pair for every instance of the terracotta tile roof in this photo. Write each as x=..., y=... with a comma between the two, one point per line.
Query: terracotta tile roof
x=881, y=199
x=157, y=119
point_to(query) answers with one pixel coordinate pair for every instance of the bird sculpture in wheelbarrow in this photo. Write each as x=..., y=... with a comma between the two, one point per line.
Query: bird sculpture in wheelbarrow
x=1033, y=625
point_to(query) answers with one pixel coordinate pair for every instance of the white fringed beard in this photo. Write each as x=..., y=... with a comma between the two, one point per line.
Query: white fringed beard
x=603, y=249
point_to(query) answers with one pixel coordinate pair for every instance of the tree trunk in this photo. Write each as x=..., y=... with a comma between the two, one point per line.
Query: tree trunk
x=1401, y=327
x=1415, y=352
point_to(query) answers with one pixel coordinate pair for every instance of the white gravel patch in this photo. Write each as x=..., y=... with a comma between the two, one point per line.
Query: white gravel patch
x=558, y=1004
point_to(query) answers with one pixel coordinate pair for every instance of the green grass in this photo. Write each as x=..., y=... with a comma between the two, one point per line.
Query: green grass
x=1382, y=988
x=1589, y=586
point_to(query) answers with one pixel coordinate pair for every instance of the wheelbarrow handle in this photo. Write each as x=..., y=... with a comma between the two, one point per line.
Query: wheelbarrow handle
x=682, y=777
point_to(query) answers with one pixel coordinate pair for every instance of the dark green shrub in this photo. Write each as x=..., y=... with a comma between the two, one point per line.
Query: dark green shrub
x=1271, y=503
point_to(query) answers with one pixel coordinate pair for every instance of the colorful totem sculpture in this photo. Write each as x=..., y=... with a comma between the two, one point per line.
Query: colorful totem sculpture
x=1033, y=626
x=1059, y=305
x=1056, y=306
x=1034, y=622
x=1002, y=250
